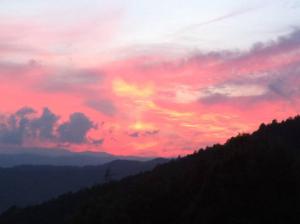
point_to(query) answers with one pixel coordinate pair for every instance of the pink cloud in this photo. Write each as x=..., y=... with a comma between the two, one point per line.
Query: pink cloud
x=156, y=105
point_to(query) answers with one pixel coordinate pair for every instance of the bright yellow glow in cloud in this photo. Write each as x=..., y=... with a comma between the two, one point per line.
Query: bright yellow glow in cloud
x=177, y=115
x=172, y=114
x=142, y=126
x=125, y=89
x=188, y=125
x=214, y=117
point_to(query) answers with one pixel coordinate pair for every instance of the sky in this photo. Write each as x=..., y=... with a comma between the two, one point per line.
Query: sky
x=146, y=78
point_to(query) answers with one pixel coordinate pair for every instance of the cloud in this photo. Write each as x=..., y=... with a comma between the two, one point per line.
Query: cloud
x=12, y=69
x=154, y=132
x=134, y=135
x=98, y=142
x=282, y=84
x=25, y=111
x=104, y=106
x=139, y=134
x=70, y=80
x=126, y=89
x=285, y=85
x=44, y=126
x=24, y=127
x=14, y=128
x=76, y=129
x=283, y=44
x=136, y=96
x=267, y=71
x=185, y=94
x=231, y=90
x=218, y=92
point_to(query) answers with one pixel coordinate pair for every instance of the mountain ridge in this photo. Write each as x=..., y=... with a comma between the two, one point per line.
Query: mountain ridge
x=10, y=157
x=30, y=184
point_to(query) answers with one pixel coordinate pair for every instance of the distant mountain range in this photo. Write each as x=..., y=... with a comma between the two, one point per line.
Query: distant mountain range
x=28, y=185
x=14, y=156
x=252, y=178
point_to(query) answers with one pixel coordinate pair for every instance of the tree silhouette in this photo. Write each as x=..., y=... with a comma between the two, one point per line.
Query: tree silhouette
x=108, y=175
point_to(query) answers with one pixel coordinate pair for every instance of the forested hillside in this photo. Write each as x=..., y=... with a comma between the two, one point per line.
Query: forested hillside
x=252, y=178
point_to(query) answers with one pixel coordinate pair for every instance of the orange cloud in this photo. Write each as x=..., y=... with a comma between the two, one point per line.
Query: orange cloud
x=125, y=89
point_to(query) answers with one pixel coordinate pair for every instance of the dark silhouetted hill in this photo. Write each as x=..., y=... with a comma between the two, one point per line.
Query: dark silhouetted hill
x=28, y=185
x=252, y=179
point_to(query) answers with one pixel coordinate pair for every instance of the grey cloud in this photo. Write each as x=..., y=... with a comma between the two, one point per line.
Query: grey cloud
x=283, y=84
x=104, y=106
x=24, y=126
x=135, y=135
x=287, y=83
x=25, y=111
x=98, y=141
x=79, y=77
x=143, y=134
x=11, y=69
x=154, y=132
x=45, y=124
x=282, y=44
x=76, y=129
x=13, y=129
x=69, y=80
x=234, y=59
x=234, y=62
x=18, y=127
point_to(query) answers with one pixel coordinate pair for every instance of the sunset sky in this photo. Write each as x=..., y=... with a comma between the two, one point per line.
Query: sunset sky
x=145, y=77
